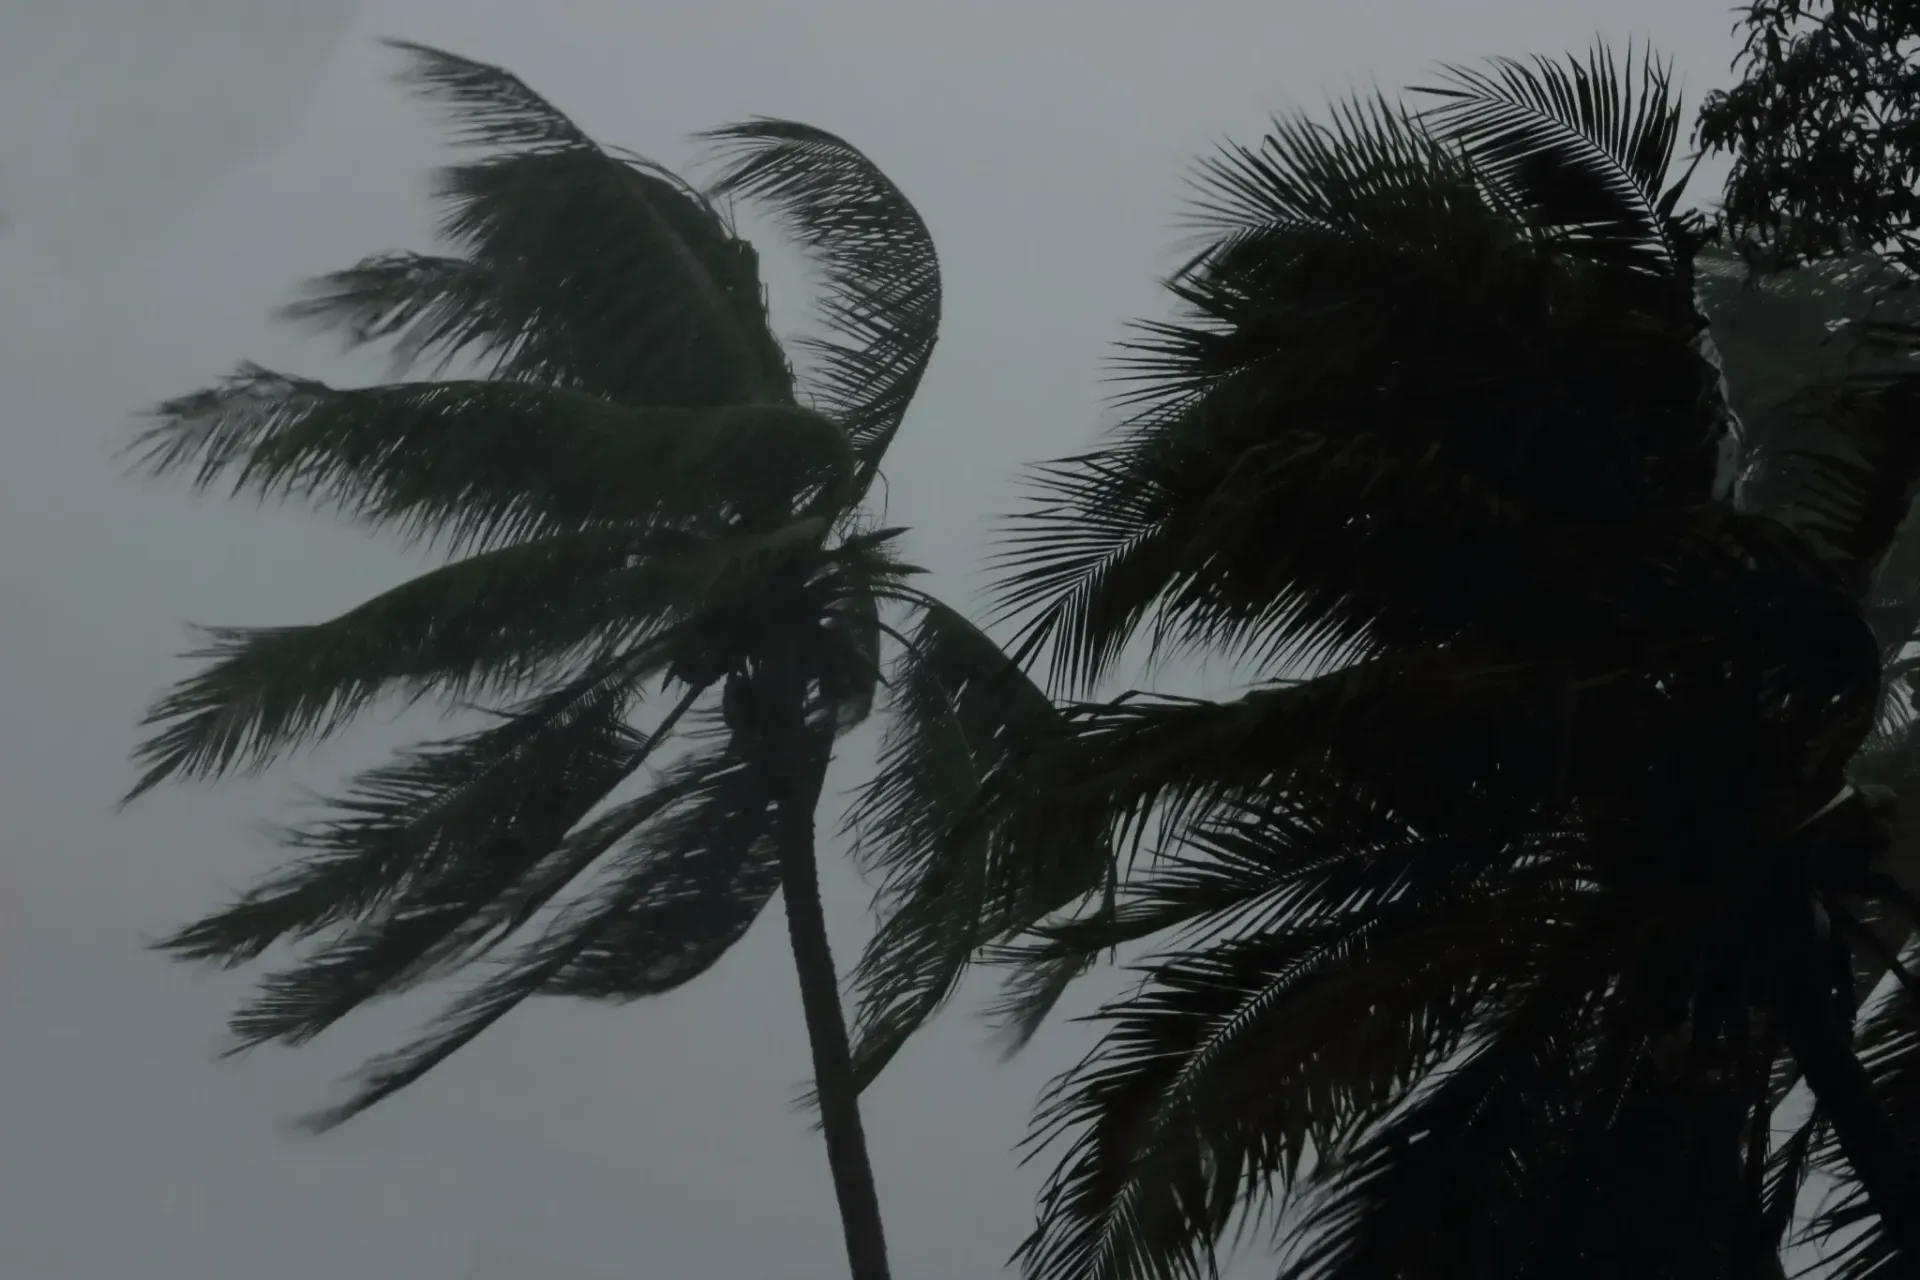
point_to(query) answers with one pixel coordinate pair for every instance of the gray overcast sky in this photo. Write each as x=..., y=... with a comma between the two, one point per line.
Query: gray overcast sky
x=170, y=168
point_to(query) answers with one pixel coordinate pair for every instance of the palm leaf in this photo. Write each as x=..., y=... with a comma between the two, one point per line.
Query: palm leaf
x=416, y=818
x=455, y=901
x=711, y=868
x=478, y=464
x=1237, y=1061
x=881, y=283
x=1087, y=563
x=666, y=905
x=1584, y=145
x=577, y=265
x=457, y=631
x=489, y=105
x=960, y=710
x=623, y=886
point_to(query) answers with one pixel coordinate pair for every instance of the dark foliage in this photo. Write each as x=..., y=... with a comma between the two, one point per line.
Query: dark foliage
x=1824, y=130
x=1483, y=942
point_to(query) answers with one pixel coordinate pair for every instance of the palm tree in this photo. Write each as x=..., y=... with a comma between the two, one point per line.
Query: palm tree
x=1484, y=931
x=655, y=540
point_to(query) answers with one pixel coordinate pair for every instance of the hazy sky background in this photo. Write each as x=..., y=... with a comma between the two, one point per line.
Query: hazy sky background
x=169, y=168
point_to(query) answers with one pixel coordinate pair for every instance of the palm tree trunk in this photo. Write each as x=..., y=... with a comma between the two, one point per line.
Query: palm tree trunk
x=1818, y=1037
x=797, y=769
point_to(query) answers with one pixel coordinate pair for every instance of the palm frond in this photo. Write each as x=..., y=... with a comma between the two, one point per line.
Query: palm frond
x=1240, y=1061
x=451, y=898
x=1787, y=1170
x=635, y=876
x=852, y=679
x=415, y=818
x=433, y=308
x=960, y=709
x=606, y=595
x=1447, y=1159
x=1086, y=562
x=457, y=630
x=1144, y=762
x=881, y=272
x=1587, y=146
x=710, y=868
x=578, y=265
x=478, y=463
x=489, y=105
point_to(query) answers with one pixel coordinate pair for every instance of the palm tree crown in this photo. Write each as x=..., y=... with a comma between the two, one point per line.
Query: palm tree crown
x=659, y=577
x=1484, y=932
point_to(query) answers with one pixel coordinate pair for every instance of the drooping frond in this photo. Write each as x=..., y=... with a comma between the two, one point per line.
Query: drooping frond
x=652, y=921
x=851, y=676
x=863, y=577
x=1531, y=1156
x=1245, y=1061
x=881, y=275
x=435, y=810
x=1424, y=1046
x=1141, y=764
x=960, y=709
x=1586, y=146
x=480, y=464
x=457, y=897
x=710, y=868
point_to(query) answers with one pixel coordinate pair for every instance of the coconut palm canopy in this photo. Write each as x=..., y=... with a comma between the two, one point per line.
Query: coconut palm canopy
x=1486, y=941
x=660, y=581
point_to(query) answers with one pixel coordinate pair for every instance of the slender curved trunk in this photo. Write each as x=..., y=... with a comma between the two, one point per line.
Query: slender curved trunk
x=1817, y=1035
x=798, y=769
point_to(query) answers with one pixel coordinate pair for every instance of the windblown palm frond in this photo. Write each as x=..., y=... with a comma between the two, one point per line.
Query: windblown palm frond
x=1587, y=148
x=480, y=464
x=882, y=278
x=611, y=597
x=959, y=711
x=576, y=265
x=693, y=872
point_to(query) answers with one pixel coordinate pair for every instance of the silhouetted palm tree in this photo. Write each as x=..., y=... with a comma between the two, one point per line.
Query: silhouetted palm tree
x=656, y=542
x=1484, y=932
